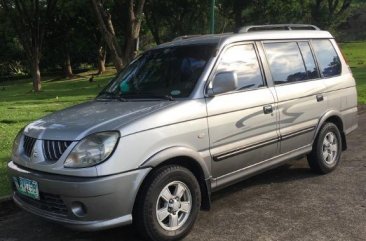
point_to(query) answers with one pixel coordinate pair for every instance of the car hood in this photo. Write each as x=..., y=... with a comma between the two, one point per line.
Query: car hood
x=78, y=121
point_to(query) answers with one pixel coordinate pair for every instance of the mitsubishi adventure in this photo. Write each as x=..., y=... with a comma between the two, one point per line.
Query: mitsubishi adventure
x=183, y=120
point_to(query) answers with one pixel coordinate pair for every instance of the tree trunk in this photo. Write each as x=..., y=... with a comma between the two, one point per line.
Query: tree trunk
x=153, y=25
x=133, y=30
x=29, y=20
x=237, y=14
x=68, y=68
x=130, y=49
x=36, y=73
x=101, y=60
x=316, y=13
x=106, y=28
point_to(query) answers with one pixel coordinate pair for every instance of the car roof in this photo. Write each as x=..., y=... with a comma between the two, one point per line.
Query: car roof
x=225, y=38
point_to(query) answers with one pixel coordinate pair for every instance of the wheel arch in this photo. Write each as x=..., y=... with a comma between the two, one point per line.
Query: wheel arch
x=334, y=117
x=189, y=159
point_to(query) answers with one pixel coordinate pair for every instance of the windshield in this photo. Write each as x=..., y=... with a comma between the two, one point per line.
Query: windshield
x=165, y=73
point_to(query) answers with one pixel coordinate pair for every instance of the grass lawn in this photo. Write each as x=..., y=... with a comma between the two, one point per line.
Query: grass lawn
x=355, y=53
x=20, y=106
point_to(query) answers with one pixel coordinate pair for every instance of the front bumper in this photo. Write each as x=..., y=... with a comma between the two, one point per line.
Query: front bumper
x=106, y=202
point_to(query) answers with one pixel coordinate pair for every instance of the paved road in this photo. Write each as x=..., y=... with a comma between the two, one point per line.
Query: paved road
x=287, y=203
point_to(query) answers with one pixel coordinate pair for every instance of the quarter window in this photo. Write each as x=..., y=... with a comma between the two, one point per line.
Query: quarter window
x=243, y=60
x=328, y=60
x=309, y=61
x=285, y=62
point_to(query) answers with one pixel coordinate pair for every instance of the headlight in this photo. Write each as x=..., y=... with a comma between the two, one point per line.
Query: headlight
x=92, y=150
x=16, y=142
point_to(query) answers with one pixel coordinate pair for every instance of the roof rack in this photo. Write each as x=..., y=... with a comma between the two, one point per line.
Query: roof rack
x=253, y=28
x=186, y=37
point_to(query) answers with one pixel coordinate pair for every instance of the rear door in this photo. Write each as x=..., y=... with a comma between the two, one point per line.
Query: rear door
x=299, y=90
x=242, y=123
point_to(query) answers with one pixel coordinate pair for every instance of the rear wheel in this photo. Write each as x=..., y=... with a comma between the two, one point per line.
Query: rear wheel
x=327, y=149
x=168, y=204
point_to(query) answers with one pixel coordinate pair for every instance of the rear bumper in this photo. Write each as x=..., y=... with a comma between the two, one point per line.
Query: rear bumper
x=106, y=202
x=350, y=120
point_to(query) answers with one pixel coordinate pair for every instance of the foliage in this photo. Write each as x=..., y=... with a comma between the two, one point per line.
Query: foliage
x=12, y=57
x=170, y=19
x=262, y=12
x=74, y=35
x=30, y=20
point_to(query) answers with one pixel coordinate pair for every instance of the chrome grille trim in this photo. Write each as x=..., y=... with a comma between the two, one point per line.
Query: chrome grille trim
x=28, y=145
x=53, y=150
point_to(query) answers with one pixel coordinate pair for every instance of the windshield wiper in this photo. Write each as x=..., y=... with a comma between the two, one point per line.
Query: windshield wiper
x=148, y=96
x=168, y=97
x=111, y=95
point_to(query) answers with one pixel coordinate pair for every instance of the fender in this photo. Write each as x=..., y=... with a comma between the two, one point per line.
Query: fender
x=332, y=113
x=177, y=151
x=325, y=117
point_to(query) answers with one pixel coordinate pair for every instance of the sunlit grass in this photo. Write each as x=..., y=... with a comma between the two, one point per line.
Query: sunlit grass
x=355, y=54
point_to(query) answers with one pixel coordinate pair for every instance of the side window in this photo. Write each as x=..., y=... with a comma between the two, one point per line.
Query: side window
x=243, y=60
x=328, y=60
x=285, y=62
x=309, y=61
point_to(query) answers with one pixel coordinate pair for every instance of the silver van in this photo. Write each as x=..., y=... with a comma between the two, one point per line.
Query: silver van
x=183, y=120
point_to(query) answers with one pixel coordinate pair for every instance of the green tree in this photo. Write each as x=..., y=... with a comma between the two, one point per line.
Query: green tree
x=11, y=57
x=328, y=14
x=123, y=49
x=73, y=38
x=30, y=19
x=169, y=19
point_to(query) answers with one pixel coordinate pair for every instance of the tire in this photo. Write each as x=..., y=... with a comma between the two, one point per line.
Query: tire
x=327, y=149
x=159, y=196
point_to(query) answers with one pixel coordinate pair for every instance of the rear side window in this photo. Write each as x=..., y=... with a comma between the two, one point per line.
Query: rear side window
x=327, y=57
x=311, y=69
x=285, y=62
x=243, y=60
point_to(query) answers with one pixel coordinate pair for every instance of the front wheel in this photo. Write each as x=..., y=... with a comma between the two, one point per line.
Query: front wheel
x=168, y=204
x=327, y=149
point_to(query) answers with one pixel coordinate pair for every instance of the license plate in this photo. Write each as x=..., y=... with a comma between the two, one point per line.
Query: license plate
x=27, y=187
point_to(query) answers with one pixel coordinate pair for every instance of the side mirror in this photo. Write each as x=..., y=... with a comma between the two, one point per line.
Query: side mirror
x=224, y=82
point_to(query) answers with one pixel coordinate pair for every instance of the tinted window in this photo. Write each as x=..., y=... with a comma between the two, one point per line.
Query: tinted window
x=285, y=62
x=243, y=60
x=328, y=59
x=309, y=61
x=171, y=71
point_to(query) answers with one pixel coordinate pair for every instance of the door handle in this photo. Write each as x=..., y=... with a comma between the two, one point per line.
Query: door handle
x=319, y=98
x=267, y=109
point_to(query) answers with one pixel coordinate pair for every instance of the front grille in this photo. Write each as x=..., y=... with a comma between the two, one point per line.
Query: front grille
x=53, y=150
x=48, y=202
x=28, y=145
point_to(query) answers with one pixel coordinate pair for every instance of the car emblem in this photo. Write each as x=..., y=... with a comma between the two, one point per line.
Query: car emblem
x=35, y=154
